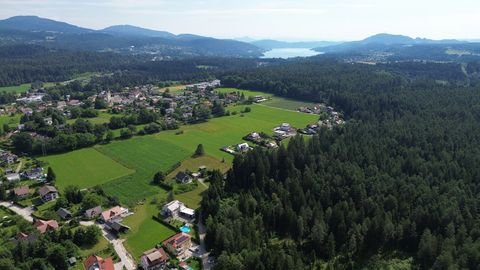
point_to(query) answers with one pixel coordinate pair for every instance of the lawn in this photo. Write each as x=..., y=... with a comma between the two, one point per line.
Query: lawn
x=192, y=164
x=84, y=168
x=102, y=118
x=145, y=232
x=173, y=89
x=146, y=155
x=192, y=198
x=12, y=121
x=16, y=88
x=275, y=101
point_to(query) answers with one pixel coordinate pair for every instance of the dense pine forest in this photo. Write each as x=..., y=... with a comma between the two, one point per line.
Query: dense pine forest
x=398, y=181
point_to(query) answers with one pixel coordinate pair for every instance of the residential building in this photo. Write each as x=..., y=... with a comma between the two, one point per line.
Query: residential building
x=178, y=243
x=12, y=177
x=113, y=213
x=94, y=262
x=183, y=178
x=93, y=212
x=154, y=259
x=48, y=193
x=177, y=209
x=116, y=226
x=64, y=213
x=242, y=147
x=44, y=226
x=21, y=192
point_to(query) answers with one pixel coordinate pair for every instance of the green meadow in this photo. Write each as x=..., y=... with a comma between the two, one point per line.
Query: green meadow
x=84, y=168
x=145, y=232
x=146, y=156
x=12, y=121
x=16, y=88
x=275, y=101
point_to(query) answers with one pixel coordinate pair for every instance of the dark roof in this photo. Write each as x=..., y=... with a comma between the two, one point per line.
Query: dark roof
x=117, y=226
x=64, y=213
x=95, y=211
x=46, y=189
x=182, y=176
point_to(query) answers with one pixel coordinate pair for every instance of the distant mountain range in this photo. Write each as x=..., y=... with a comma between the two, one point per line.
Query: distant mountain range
x=383, y=41
x=120, y=38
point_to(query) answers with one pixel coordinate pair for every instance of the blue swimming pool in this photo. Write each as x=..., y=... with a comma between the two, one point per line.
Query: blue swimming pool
x=185, y=229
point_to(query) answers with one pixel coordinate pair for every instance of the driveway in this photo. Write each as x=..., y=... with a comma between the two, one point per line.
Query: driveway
x=203, y=253
x=26, y=212
x=125, y=257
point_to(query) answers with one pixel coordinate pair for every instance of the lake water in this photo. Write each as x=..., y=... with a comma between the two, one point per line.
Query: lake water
x=289, y=53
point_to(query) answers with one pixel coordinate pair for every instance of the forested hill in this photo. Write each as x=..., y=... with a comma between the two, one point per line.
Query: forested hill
x=397, y=185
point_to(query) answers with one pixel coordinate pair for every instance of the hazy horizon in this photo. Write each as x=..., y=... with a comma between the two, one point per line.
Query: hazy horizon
x=305, y=20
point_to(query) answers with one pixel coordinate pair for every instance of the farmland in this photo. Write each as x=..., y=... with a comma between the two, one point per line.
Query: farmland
x=84, y=168
x=146, y=155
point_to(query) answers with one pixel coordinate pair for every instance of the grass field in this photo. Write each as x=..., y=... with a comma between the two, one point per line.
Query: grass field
x=103, y=117
x=145, y=232
x=275, y=101
x=12, y=121
x=229, y=130
x=16, y=88
x=192, y=198
x=146, y=155
x=84, y=168
x=173, y=89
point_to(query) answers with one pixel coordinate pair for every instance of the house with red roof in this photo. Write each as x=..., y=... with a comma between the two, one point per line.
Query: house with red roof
x=113, y=213
x=94, y=262
x=178, y=243
x=44, y=226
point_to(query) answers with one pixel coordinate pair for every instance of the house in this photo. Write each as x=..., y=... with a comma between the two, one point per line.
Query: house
x=21, y=192
x=113, y=213
x=72, y=261
x=64, y=213
x=259, y=99
x=34, y=174
x=93, y=212
x=183, y=265
x=254, y=136
x=177, y=209
x=242, y=147
x=48, y=121
x=7, y=157
x=45, y=226
x=116, y=226
x=285, y=127
x=154, y=259
x=94, y=262
x=178, y=243
x=183, y=178
x=12, y=177
x=48, y=193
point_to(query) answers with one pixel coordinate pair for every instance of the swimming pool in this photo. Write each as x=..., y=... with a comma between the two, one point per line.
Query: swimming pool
x=185, y=229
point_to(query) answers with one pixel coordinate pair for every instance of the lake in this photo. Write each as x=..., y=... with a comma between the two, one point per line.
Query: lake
x=290, y=53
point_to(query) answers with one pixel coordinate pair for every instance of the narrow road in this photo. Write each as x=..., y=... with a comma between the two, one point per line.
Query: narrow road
x=26, y=212
x=126, y=259
x=202, y=230
x=19, y=167
x=122, y=253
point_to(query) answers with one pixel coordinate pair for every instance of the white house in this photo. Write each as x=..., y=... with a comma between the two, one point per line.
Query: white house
x=176, y=208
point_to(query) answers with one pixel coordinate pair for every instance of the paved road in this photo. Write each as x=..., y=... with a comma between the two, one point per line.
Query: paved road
x=122, y=253
x=203, y=249
x=26, y=212
x=125, y=257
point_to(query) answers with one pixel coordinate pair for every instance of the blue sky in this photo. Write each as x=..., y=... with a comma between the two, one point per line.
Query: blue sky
x=281, y=19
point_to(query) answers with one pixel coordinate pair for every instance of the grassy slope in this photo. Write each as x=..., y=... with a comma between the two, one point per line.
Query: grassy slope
x=85, y=168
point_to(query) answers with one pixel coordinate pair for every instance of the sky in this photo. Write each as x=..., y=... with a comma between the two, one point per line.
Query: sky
x=338, y=20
